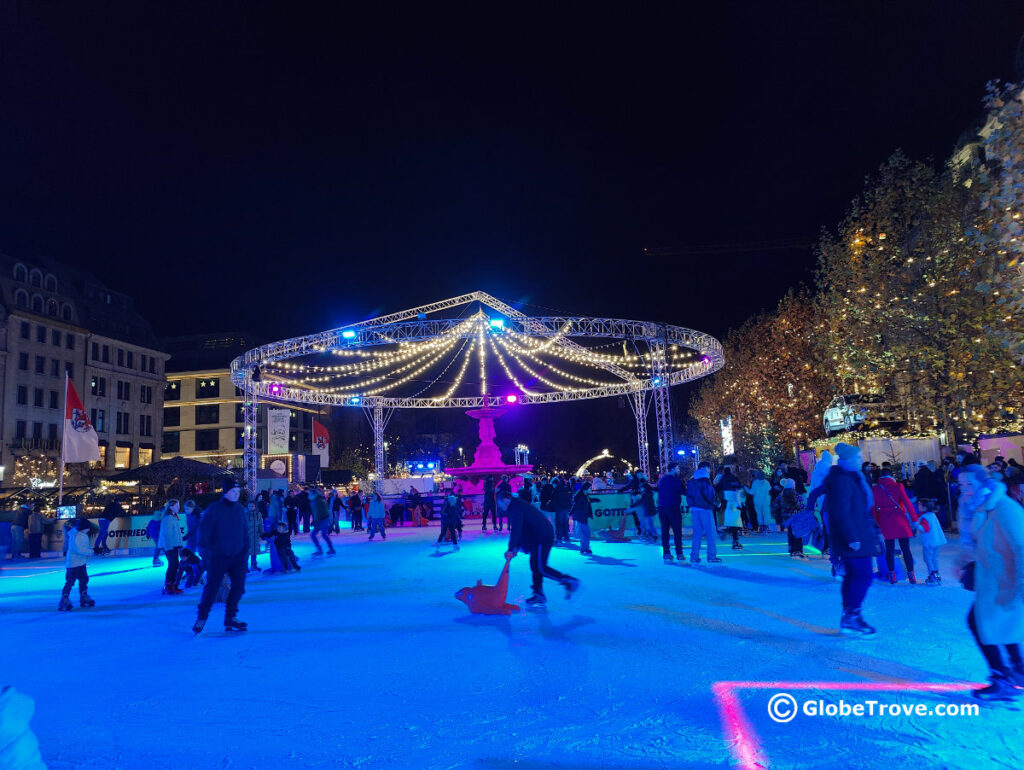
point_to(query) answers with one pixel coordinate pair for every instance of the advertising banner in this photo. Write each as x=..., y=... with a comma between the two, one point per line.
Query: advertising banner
x=278, y=421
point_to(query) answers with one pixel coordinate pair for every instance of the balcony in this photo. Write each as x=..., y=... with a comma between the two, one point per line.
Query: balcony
x=40, y=444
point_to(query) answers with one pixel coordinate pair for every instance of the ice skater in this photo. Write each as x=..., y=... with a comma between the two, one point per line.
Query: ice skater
x=377, y=514
x=700, y=496
x=321, y=522
x=932, y=539
x=224, y=544
x=670, y=502
x=280, y=539
x=532, y=533
x=78, y=551
x=852, y=534
x=451, y=520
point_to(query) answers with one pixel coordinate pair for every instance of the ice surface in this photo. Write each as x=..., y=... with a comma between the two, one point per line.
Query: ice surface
x=367, y=660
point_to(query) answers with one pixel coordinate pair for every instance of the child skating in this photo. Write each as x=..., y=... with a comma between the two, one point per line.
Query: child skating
x=77, y=555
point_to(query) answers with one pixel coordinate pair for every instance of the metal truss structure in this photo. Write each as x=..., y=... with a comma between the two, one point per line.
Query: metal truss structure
x=641, y=404
x=413, y=326
x=250, y=450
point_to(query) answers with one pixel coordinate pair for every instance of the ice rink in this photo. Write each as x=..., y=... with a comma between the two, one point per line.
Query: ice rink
x=367, y=660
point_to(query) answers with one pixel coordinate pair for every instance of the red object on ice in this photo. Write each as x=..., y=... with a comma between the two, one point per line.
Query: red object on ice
x=488, y=600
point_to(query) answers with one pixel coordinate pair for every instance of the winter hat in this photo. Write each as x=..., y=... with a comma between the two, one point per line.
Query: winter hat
x=846, y=451
x=227, y=483
x=788, y=483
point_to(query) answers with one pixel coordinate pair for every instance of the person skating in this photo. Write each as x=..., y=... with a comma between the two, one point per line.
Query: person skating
x=223, y=543
x=932, y=539
x=78, y=551
x=376, y=515
x=896, y=517
x=560, y=502
x=18, y=528
x=532, y=533
x=785, y=507
x=321, y=522
x=853, y=535
x=36, y=528
x=254, y=520
x=728, y=485
x=170, y=541
x=582, y=511
x=670, y=516
x=355, y=508
x=281, y=538
x=503, y=486
x=700, y=496
x=450, y=520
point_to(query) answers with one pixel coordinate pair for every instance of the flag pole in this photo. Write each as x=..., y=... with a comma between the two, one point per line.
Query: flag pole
x=63, y=443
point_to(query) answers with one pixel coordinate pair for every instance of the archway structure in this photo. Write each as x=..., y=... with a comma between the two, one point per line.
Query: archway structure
x=474, y=351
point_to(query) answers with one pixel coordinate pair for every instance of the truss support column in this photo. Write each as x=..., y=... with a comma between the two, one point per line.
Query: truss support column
x=640, y=404
x=250, y=445
x=662, y=404
x=378, y=423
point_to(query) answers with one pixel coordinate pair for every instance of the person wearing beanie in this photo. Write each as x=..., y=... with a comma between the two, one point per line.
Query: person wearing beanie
x=224, y=546
x=854, y=537
x=785, y=506
x=700, y=496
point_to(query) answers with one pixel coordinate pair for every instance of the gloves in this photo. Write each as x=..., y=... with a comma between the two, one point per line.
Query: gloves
x=855, y=546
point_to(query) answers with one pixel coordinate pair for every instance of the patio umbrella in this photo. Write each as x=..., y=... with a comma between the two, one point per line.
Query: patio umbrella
x=166, y=471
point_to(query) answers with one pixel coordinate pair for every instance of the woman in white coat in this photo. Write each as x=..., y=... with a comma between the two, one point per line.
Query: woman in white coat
x=170, y=541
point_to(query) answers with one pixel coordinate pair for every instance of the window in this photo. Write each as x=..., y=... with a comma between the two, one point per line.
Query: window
x=145, y=425
x=50, y=283
x=20, y=272
x=69, y=341
x=40, y=365
x=95, y=351
x=54, y=367
x=106, y=354
x=99, y=419
x=99, y=386
x=120, y=357
x=55, y=337
x=207, y=440
x=19, y=429
x=122, y=456
x=172, y=390
x=145, y=456
x=239, y=413
x=37, y=303
x=124, y=422
x=124, y=390
x=37, y=397
x=102, y=462
x=35, y=278
x=51, y=431
x=53, y=399
x=142, y=362
x=51, y=307
x=69, y=369
x=145, y=392
x=208, y=414
x=22, y=395
x=129, y=360
x=21, y=298
x=152, y=365
x=37, y=430
x=239, y=438
x=65, y=311
x=172, y=416
x=40, y=334
x=23, y=361
x=26, y=330
x=208, y=388
x=171, y=443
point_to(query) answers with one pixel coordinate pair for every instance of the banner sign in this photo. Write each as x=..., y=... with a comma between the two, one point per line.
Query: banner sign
x=278, y=421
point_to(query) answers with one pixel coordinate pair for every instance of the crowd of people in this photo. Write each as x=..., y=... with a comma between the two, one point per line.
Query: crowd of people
x=862, y=516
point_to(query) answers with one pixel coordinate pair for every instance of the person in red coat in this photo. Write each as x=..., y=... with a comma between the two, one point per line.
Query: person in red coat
x=895, y=515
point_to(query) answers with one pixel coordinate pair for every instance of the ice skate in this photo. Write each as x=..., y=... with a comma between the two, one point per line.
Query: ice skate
x=852, y=624
x=737, y=547
x=318, y=555
x=234, y=625
x=84, y=600
x=65, y=604
x=1000, y=689
x=930, y=580
x=911, y=578
x=198, y=626
x=572, y=585
x=157, y=562
x=714, y=560
x=332, y=552
x=695, y=560
x=667, y=558
x=537, y=600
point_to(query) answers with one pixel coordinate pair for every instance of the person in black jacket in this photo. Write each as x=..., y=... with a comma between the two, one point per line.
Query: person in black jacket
x=532, y=533
x=224, y=546
x=582, y=511
x=560, y=502
x=111, y=511
x=853, y=535
x=355, y=508
x=503, y=486
x=489, y=503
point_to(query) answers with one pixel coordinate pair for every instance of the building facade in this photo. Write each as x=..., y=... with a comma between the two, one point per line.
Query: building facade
x=57, y=319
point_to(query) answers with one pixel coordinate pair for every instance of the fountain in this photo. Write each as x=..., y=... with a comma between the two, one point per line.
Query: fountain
x=487, y=458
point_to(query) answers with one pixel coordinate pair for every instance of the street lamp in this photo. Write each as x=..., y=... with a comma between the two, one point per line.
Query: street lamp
x=462, y=458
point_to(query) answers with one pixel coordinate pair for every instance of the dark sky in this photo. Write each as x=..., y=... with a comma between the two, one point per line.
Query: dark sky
x=271, y=167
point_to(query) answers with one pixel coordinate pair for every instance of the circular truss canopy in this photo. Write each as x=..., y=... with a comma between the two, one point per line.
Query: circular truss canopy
x=472, y=351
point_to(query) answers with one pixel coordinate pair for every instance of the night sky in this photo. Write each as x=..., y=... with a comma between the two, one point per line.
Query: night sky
x=268, y=167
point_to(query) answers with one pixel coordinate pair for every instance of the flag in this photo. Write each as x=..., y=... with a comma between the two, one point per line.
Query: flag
x=321, y=443
x=81, y=444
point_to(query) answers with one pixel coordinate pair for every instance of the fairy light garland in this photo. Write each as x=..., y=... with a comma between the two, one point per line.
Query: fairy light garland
x=508, y=372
